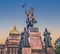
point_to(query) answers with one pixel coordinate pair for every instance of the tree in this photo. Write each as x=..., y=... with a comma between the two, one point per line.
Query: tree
x=58, y=49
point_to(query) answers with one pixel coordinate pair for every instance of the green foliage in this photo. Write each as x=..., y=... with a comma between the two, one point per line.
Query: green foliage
x=58, y=49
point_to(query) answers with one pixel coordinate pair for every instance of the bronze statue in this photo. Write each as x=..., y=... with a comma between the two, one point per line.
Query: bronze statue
x=24, y=38
x=30, y=21
x=47, y=38
x=24, y=41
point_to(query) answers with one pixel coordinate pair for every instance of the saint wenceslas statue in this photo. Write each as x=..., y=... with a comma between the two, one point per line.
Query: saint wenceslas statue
x=30, y=21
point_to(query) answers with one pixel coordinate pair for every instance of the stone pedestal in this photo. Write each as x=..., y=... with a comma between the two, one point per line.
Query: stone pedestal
x=50, y=51
x=26, y=51
x=35, y=38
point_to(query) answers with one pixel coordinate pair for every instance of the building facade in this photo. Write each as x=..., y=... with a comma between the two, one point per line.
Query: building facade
x=12, y=42
x=2, y=46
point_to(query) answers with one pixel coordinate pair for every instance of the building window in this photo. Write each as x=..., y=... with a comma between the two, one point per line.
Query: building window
x=13, y=51
x=1, y=51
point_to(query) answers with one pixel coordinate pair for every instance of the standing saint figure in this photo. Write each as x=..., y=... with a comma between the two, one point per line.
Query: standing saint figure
x=24, y=42
x=47, y=38
x=24, y=38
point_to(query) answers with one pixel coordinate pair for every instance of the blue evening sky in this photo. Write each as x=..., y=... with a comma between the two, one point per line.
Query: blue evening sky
x=47, y=13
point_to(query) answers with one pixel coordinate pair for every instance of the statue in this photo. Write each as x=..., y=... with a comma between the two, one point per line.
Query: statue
x=47, y=38
x=24, y=41
x=30, y=21
x=24, y=38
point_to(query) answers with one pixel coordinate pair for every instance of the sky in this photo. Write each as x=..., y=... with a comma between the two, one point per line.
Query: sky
x=47, y=13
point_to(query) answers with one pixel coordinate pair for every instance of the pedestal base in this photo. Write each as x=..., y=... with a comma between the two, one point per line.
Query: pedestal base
x=32, y=51
x=35, y=38
x=26, y=51
x=50, y=51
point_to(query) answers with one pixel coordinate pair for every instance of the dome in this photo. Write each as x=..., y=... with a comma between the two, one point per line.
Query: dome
x=14, y=31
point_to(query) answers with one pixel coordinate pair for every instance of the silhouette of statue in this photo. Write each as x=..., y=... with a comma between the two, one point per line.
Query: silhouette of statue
x=47, y=38
x=24, y=38
x=24, y=41
x=30, y=21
